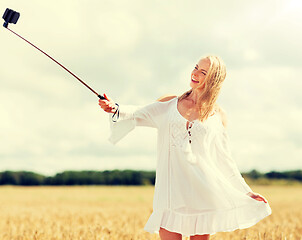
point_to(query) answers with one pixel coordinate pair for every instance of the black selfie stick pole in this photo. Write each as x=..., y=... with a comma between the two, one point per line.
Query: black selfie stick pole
x=11, y=16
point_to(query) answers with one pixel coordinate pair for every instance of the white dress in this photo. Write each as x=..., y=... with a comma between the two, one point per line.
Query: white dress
x=198, y=187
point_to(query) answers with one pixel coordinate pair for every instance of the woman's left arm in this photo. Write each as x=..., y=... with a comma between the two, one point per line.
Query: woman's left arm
x=229, y=167
x=227, y=163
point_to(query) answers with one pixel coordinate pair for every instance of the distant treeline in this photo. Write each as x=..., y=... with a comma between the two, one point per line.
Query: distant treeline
x=114, y=177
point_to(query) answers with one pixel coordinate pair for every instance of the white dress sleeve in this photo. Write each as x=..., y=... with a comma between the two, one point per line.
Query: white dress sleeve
x=131, y=116
x=226, y=162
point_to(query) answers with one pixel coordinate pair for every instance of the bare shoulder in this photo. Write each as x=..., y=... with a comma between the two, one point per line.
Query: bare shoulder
x=223, y=115
x=166, y=98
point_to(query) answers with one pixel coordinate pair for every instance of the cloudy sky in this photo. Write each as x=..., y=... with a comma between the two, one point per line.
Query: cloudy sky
x=136, y=51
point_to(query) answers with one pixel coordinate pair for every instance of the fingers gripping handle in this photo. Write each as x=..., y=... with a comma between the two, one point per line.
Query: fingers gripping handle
x=102, y=97
x=117, y=111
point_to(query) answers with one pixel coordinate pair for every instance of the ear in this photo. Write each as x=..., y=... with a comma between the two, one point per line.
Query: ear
x=166, y=98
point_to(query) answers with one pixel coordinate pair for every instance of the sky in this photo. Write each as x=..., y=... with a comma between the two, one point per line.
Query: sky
x=136, y=51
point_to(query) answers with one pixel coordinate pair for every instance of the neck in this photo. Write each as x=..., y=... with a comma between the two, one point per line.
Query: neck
x=194, y=95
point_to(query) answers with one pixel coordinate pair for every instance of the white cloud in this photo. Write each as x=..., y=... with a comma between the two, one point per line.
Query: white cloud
x=51, y=122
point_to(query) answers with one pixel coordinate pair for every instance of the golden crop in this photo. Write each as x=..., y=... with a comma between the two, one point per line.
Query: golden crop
x=120, y=213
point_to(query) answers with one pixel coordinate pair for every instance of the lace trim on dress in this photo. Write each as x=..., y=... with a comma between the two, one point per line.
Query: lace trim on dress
x=183, y=138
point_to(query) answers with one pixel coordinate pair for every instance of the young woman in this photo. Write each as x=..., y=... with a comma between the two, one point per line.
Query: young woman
x=198, y=189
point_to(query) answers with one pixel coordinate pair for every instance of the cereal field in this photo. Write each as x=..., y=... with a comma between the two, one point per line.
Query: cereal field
x=106, y=212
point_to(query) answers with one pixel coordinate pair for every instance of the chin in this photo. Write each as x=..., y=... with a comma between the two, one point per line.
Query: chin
x=193, y=85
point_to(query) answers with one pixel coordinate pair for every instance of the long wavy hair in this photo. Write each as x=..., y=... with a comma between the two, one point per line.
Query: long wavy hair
x=206, y=101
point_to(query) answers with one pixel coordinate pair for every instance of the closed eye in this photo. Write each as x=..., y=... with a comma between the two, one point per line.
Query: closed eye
x=197, y=69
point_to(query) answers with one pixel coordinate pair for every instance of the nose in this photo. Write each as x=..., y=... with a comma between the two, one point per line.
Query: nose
x=195, y=75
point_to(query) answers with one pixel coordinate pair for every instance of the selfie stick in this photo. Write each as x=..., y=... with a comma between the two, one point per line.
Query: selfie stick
x=11, y=16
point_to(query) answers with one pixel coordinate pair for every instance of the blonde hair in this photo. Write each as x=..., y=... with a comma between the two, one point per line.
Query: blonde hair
x=206, y=102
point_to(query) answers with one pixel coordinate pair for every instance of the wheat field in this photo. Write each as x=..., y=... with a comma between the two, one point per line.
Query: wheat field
x=120, y=213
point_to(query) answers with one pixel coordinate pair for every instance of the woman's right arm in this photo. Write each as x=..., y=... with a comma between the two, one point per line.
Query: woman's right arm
x=131, y=116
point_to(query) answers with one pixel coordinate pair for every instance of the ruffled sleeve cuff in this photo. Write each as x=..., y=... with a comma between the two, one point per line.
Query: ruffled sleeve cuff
x=124, y=124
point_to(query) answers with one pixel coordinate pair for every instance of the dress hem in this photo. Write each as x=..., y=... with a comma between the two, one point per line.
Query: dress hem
x=208, y=223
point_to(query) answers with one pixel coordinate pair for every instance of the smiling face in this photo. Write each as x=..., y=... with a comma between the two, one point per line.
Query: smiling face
x=199, y=73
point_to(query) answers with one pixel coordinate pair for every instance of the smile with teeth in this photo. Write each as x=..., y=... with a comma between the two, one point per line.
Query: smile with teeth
x=194, y=80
